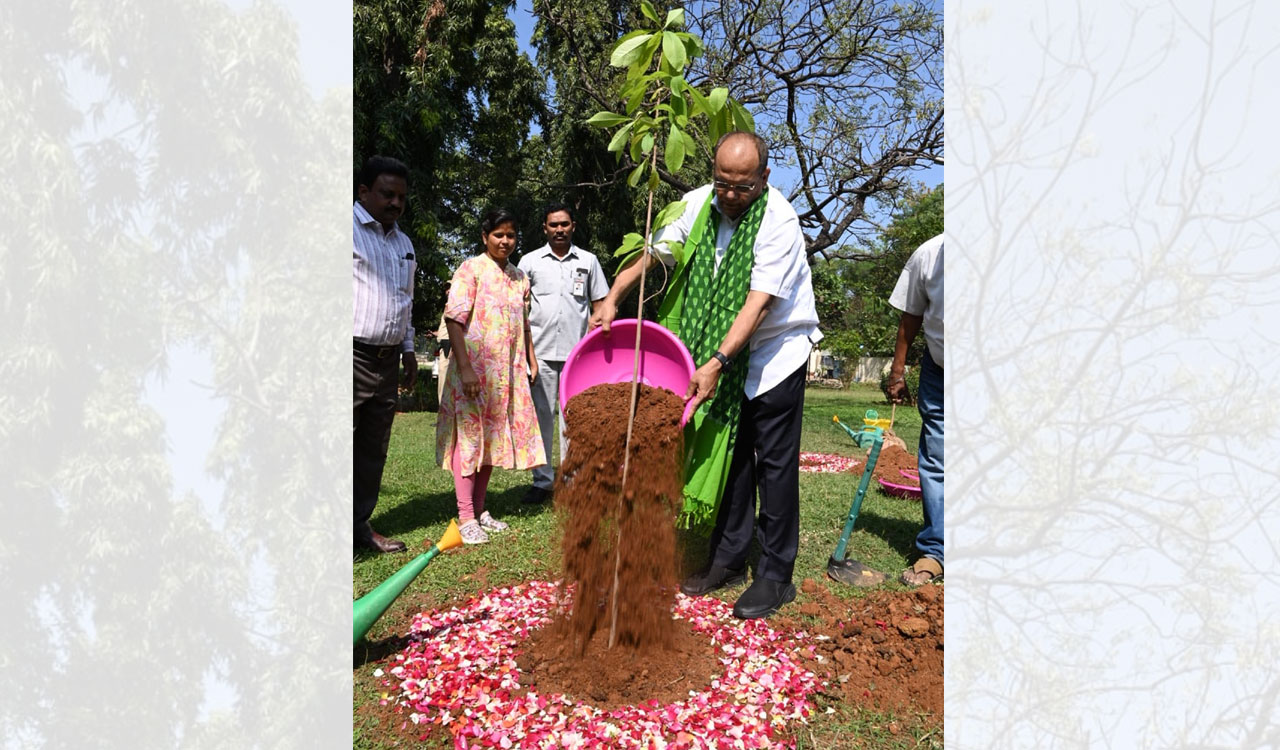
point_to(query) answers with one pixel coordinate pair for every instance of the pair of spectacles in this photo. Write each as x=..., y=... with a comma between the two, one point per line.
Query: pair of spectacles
x=724, y=187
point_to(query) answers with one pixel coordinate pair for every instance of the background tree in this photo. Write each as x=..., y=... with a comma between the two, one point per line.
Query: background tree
x=853, y=296
x=443, y=86
x=849, y=93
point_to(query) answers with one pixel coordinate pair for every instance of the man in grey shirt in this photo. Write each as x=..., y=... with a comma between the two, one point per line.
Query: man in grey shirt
x=566, y=283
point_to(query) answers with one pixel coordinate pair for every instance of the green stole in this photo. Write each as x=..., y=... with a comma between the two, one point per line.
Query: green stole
x=713, y=299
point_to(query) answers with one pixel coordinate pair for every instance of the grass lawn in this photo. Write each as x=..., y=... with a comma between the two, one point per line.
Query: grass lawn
x=417, y=503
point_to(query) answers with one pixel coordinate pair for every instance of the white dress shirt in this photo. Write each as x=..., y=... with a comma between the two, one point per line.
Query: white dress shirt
x=782, y=342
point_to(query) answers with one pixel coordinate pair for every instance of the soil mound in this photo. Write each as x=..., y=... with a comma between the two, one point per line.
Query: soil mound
x=606, y=529
x=891, y=462
x=612, y=678
x=883, y=650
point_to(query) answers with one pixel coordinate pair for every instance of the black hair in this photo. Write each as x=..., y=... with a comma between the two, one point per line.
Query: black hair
x=552, y=208
x=375, y=166
x=495, y=218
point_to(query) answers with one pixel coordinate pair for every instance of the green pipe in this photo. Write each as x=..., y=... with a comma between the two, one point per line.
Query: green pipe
x=366, y=610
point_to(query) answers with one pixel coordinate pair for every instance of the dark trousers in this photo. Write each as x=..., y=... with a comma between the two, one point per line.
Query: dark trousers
x=376, y=383
x=766, y=458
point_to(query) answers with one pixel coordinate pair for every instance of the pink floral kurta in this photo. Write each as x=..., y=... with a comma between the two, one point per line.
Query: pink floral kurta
x=499, y=427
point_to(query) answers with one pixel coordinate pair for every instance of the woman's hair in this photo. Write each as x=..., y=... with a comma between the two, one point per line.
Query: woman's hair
x=495, y=218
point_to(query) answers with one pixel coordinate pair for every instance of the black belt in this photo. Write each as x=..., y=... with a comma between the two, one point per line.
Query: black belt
x=381, y=352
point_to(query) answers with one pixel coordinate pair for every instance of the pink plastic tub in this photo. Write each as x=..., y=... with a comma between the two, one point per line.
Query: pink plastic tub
x=900, y=490
x=600, y=359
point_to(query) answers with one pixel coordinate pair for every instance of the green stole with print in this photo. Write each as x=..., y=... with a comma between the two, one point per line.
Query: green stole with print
x=713, y=297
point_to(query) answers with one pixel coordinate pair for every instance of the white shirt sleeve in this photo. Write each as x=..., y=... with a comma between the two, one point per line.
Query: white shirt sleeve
x=909, y=293
x=678, y=230
x=597, y=283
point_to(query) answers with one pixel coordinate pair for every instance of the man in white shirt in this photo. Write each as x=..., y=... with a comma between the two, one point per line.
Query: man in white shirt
x=566, y=283
x=918, y=295
x=384, y=265
x=743, y=270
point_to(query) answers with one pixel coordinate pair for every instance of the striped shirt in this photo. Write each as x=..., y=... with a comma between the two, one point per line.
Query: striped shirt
x=383, y=293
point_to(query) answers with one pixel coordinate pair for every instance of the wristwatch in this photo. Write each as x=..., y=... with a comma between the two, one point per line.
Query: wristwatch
x=723, y=360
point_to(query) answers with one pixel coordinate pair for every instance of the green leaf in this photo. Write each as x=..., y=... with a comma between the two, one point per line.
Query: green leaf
x=647, y=9
x=716, y=99
x=700, y=102
x=628, y=51
x=633, y=179
x=606, y=119
x=719, y=125
x=620, y=139
x=678, y=86
x=692, y=44
x=673, y=50
x=676, y=248
x=630, y=241
x=674, y=155
x=675, y=17
x=679, y=110
x=668, y=214
x=653, y=180
x=646, y=143
x=622, y=264
x=742, y=119
x=635, y=99
x=690, y=146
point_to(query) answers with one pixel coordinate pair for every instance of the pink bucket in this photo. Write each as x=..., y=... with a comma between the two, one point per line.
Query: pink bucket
x=600, y=359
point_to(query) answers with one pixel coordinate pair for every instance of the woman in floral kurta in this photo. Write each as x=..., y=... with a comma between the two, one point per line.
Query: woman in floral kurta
x=486, y=414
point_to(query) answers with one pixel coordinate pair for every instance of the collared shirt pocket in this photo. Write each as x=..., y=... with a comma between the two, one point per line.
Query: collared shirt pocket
x=408, y=267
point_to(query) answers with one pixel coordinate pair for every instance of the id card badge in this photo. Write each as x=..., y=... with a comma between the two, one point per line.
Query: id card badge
x=580, y=282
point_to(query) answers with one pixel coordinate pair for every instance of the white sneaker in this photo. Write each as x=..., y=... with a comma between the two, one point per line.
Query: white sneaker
x=472, y=533
x=489, y=523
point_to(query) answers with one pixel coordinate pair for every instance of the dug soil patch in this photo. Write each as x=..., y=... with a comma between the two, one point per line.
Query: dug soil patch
x=883, y=650
x=890, y=464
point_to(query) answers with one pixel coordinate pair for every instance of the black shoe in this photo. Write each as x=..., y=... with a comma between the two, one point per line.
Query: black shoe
x=381, y=544
x=536, y=495
x=763, y=598
x=713, y=579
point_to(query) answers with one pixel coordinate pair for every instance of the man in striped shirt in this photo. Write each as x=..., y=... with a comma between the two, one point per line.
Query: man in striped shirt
x=384, y=267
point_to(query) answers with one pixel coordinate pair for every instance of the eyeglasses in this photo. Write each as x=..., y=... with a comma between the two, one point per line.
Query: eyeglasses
x=724, y=187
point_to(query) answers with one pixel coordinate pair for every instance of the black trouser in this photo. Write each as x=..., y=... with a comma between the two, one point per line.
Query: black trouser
x=766, y=456
x=376, y=383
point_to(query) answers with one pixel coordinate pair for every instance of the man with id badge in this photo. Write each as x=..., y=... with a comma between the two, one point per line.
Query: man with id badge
x=566, y=282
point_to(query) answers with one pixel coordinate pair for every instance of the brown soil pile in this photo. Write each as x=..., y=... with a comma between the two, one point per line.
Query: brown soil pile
x=612, y=678
x=606, y=530
x=893, y=459
x=882, y=651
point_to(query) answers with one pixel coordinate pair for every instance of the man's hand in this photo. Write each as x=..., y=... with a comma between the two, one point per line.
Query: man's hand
x=410, y=363
x=897, y=390
x=603, y=314
x=702, y=386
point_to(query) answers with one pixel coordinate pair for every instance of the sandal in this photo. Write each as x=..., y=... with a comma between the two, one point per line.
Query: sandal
x=489, y=523
x=472, y=533
x=925, y=565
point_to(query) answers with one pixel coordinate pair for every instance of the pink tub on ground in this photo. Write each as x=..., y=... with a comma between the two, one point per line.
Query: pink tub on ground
x=600, y=359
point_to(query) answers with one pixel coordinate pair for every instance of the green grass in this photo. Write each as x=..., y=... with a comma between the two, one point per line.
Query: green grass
x=417, y=503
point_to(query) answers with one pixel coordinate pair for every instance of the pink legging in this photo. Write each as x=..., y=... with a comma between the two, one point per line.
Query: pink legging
x=469, y=489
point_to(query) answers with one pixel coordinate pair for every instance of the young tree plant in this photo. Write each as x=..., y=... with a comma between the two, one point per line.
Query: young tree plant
x=660, y=110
